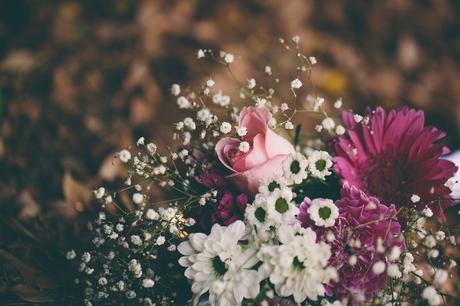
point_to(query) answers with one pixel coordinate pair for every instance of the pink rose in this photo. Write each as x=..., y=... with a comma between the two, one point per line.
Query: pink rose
x=265, y=156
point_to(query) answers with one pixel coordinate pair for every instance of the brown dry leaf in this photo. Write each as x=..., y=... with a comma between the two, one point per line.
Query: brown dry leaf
x=30, y=207
x=29, y=274
x=75, y=192
x=29, y=294
x=18, y=61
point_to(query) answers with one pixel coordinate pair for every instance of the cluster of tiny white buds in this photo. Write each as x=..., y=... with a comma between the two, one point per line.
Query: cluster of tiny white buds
x=312, y=60
x=317, y=103
x=244, y=147
x=225, y=127
x=175, y=89
x=251, y=83
x=268, y=70
x=338, y=103
x=415, y=198
x=228, y=57
x=241, y=131
x=124, y=155
x=296, y=84
x=295, y=39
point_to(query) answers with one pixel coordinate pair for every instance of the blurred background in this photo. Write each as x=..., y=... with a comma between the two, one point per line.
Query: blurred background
x=79, y=80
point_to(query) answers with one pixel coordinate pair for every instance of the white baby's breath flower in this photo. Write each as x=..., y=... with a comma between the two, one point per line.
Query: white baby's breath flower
x=415, y=198
x=124, y=155
x=378, y=267
x=440, y=277
x=138, y=198
x=296, y=39
x=160, y=240
x=71, y=255
x=151, y=214
x=339, y=103
x=317, y=103
x=284, y=107
x=251, y=83
x=340, y=130
x=260, y=102
x=183, y=102
x=189, y=123
x=241, y=131
x=136, y=240
x=296, y=84
x=288, y=125
x=229, y=58
x=358, y=118
x=319, y=164
x=140, y=141
x=312, y=60
x=328, y=123
x=244, y=146
x=225, y=127
x=431, y=295
x=323, y=212
x=210, y=83
x=216, y=264
x=427, y=212
x=268, y=70
x=99, y=193
x=200, y=54
x=393, y=271
x=203, y=115
x=295, y=168
x=175, y=89
x=147, y=283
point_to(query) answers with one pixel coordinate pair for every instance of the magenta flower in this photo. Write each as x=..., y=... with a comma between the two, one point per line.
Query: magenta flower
x=226, y=208
x=394, y=157
x=354, y=239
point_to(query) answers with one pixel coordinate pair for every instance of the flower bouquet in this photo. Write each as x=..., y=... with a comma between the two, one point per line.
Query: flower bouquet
x=260, y=212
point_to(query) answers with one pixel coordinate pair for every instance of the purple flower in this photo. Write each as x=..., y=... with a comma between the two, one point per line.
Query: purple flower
x=354, y=239
x=229, y=206
x=394, y=157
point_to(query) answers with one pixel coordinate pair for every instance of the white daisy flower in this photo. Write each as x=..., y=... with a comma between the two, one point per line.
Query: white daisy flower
x=281, y=208
x=295, y=168
x=217, y=264
x=319, y=164
x=298, y=266
x=323, y=212
x=257, y=212
x=267, y=186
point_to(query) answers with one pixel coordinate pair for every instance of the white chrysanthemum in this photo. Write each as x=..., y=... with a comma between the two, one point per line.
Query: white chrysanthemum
x=319, y=164
x=267, y=186
x=280, y=207
x=323, y=212
x=257, y=212
x=219, y=265
x=295, y=168
x=298, y=266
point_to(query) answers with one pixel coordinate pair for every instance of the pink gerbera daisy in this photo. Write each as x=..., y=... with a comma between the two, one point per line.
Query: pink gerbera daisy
x=396, y=158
